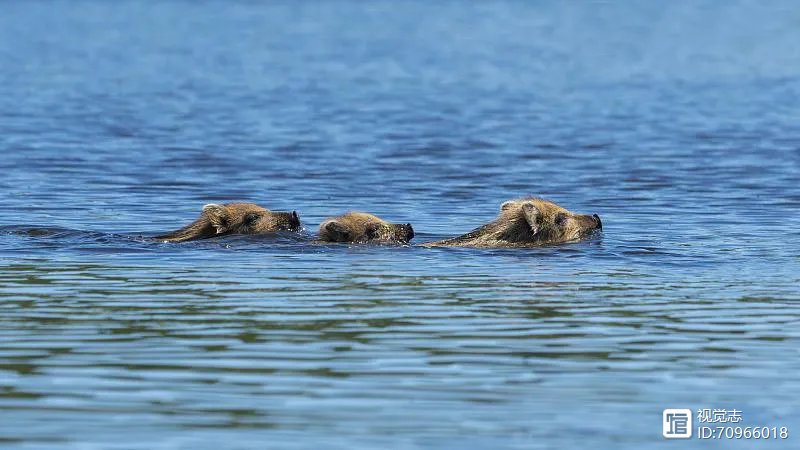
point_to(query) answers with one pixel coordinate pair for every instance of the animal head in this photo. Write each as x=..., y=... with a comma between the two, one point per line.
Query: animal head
x=364, y=228
x=248, y=218
x=543, y=222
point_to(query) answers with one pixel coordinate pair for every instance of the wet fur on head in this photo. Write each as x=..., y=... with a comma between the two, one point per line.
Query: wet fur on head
x=234, y=218
x=358, y=227
x=527, y=222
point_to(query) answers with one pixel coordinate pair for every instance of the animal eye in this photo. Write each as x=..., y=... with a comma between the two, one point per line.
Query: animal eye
x=560, y=219
x=372, y=231
x=251, y=218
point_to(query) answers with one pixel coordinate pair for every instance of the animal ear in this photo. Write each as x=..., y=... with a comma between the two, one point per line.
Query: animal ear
x=507, y=205
x=218, y=216
x=531, y=214
x=338, y=232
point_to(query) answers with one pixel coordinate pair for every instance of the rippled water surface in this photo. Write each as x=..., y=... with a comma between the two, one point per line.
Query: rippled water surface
x=677, y=122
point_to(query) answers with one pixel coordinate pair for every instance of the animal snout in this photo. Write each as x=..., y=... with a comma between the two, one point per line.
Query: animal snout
x=599, y=223
x=295, y=222
x=410, y=232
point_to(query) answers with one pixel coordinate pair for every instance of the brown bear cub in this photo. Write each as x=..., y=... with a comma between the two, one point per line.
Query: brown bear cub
x=529, y=222
x=358, y=227
x=234, y=218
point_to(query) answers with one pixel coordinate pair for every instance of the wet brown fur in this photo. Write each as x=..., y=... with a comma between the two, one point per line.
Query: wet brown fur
x=528, y=222
x=233, y=218
x=361, y=227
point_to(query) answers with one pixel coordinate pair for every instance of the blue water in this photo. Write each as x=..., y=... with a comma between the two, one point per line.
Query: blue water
x=677, y=122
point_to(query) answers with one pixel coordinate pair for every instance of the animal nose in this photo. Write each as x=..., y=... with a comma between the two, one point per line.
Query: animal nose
x=410, y=232
x=599, y=223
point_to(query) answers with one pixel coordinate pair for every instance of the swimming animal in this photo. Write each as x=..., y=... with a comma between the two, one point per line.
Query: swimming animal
x=527, y=222
x=359, y=227
x=233, y=218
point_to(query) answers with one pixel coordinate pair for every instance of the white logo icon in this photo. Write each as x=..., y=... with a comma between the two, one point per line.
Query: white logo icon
x=677, y=423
